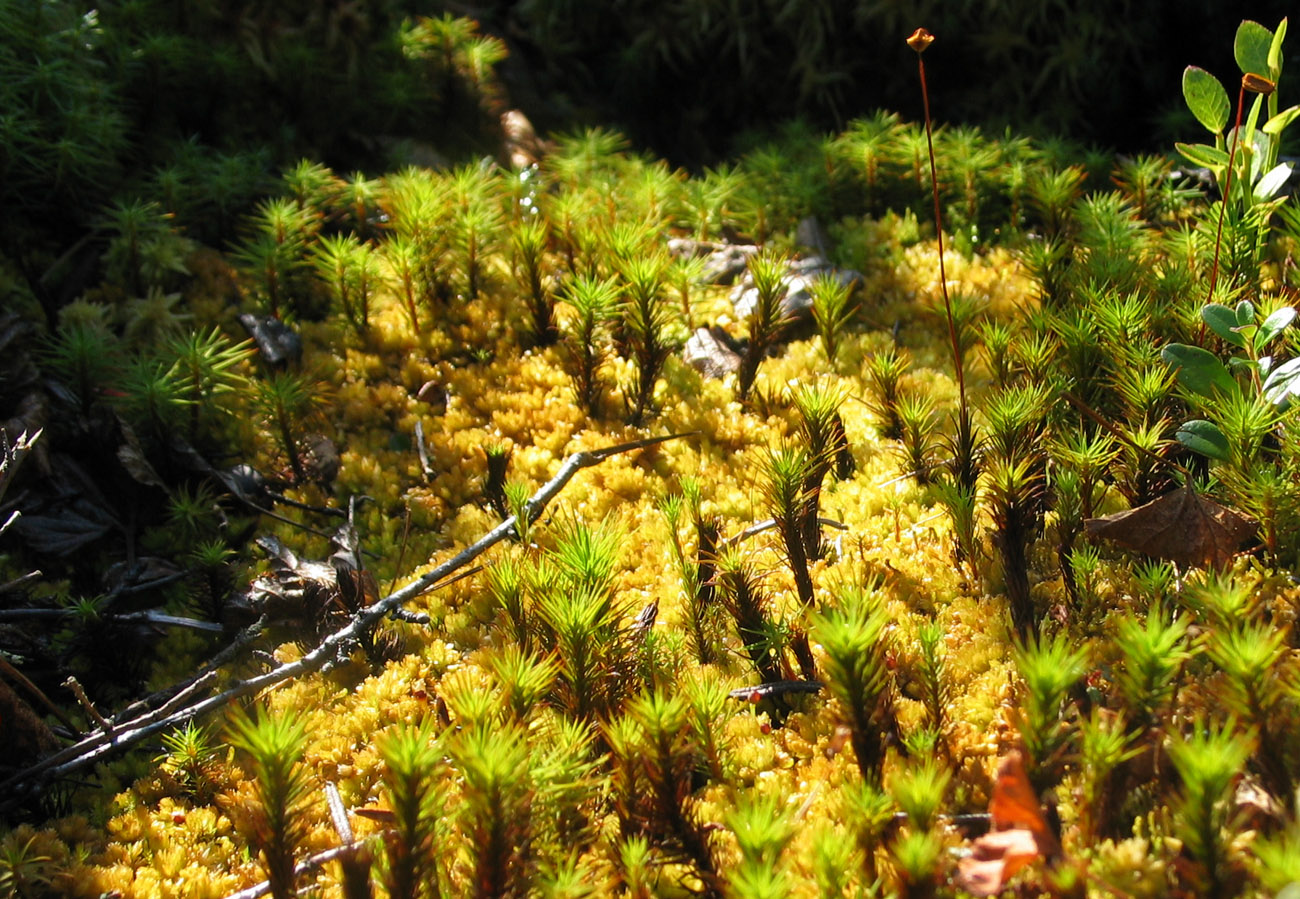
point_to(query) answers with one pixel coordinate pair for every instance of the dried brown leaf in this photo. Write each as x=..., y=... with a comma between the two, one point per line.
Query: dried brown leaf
x=995, y=858
x=1182, y=526
x=1020, y=833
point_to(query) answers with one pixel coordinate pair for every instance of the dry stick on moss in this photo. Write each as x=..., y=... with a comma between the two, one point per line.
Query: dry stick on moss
x=128, y=733
x=768, y=523
x=73, y=757
x=18, y=677
x=306, y=866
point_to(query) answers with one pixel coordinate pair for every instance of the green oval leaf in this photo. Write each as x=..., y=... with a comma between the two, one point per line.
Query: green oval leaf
x=1275, y=51
x=1206, y=98
x=1223, y=322
x=1274, y=325
x=1203, y=155
x=1251, y=47
x=1204, y=437
x=1200, y=371
x=1275, y=125
x=1281, y=382
x=1268, y=186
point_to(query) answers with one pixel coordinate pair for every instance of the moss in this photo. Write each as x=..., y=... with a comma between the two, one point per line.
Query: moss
x=570, y=807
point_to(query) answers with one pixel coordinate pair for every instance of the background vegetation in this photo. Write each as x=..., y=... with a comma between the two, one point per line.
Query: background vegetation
x=1001, y=537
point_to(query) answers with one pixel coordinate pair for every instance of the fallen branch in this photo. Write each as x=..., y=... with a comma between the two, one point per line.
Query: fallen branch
x=22, y=679
x=21, y=581
x=128, y=733
x=306, y=866
x=768, y=524
x=777, y=688
x=12, y=456
x=147, y=616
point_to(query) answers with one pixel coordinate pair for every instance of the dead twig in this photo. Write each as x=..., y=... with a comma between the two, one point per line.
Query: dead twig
x=91, y=712
x=306, y=866
x=12, y=456
x=21, y=581
x=767, y=524
x=20, y=678
x=128, y=733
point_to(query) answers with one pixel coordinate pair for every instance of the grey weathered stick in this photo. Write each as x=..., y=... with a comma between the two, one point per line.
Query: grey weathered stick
x=768, y=523
x=130, y=732
x=11, y=459
x=20, y=678
x=307, y=865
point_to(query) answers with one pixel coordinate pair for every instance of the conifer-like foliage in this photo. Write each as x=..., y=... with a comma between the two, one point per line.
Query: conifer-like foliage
x=277, y=824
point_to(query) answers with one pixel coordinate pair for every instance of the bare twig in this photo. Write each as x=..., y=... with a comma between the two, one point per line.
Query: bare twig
x=16, y=675
x=779, y=688
x=767, y=524
x=128, y=733
x=11, y=459
x=21, y=581
x=306, y=866
x=75, y=686
x=425, y=467
x=148, y=616
x=9, y=522
x=338, y=813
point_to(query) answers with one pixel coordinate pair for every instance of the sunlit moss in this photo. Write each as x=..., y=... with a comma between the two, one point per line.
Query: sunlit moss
x=532, y=700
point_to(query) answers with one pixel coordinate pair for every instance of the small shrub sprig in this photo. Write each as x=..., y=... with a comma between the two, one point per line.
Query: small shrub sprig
x=767, y=270
x=496, y=817
x=593, y=301
x=655, y=756
x=762, y=830
x=743, y=597
x=1105, y=743
x=1049, y=668
x=645, y=319
x=529, y=240
x=1208, y=762
x=1153, y=653
x=834, y=307
x=827, y=447
x=919, y=792
x=786, y=472
x=852, y=633
x=696, y=574
x=414, y=763
x=868, y=808
x=930, y=667
x=276, y=822
x=885, y=371
x=286, y=401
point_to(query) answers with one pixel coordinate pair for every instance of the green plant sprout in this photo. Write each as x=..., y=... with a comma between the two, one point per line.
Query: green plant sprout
x=1049, y=667
x=286, y=400
x=1208, y=761
x=768, y=319
x=414, y=766
x=593, y=301
x=852, y=635
x=282, y=785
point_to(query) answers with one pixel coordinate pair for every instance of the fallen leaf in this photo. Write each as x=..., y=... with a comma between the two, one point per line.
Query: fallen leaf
x=1015, y=805
x=995, y=858
x=1182, y=526
x=1020, y=833
x=67, y=530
